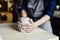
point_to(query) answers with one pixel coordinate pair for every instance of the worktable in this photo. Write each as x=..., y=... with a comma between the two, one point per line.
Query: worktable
x=9, y=31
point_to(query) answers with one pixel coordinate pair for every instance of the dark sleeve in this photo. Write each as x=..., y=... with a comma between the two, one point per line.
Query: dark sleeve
x=24, y=5
x=50, y=7
x=15, y=7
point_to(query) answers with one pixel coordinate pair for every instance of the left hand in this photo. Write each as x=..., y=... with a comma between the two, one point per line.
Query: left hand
x=29, y=27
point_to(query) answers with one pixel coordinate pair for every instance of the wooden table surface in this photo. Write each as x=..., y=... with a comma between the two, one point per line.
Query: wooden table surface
x=8, y=31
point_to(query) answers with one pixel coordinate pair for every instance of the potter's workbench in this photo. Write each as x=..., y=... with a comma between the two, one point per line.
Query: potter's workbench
x=8, y=31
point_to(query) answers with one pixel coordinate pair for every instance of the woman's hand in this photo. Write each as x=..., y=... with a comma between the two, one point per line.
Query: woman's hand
x=29, y=27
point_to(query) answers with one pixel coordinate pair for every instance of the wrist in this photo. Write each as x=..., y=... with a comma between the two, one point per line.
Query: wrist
x=36, y=23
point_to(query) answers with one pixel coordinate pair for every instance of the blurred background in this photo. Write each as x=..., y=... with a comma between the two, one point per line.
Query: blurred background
x=6, y=8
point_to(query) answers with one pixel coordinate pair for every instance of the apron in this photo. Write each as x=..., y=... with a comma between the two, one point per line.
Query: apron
x=35, y=8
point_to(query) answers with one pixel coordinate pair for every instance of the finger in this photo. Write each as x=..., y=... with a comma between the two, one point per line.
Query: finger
x=28, y=30
x=19, y=26
x=18, y=22
x=24, y=27
x=29, y=26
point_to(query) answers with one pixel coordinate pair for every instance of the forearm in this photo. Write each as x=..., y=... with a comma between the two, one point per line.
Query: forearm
x=42, y=20
x=24, y=13
x=24, y=8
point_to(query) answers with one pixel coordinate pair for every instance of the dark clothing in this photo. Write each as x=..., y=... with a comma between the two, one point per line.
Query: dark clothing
x=15, y=11
x=49, y=6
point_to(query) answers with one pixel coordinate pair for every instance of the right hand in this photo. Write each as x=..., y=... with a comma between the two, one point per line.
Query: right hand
x=25, y=27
